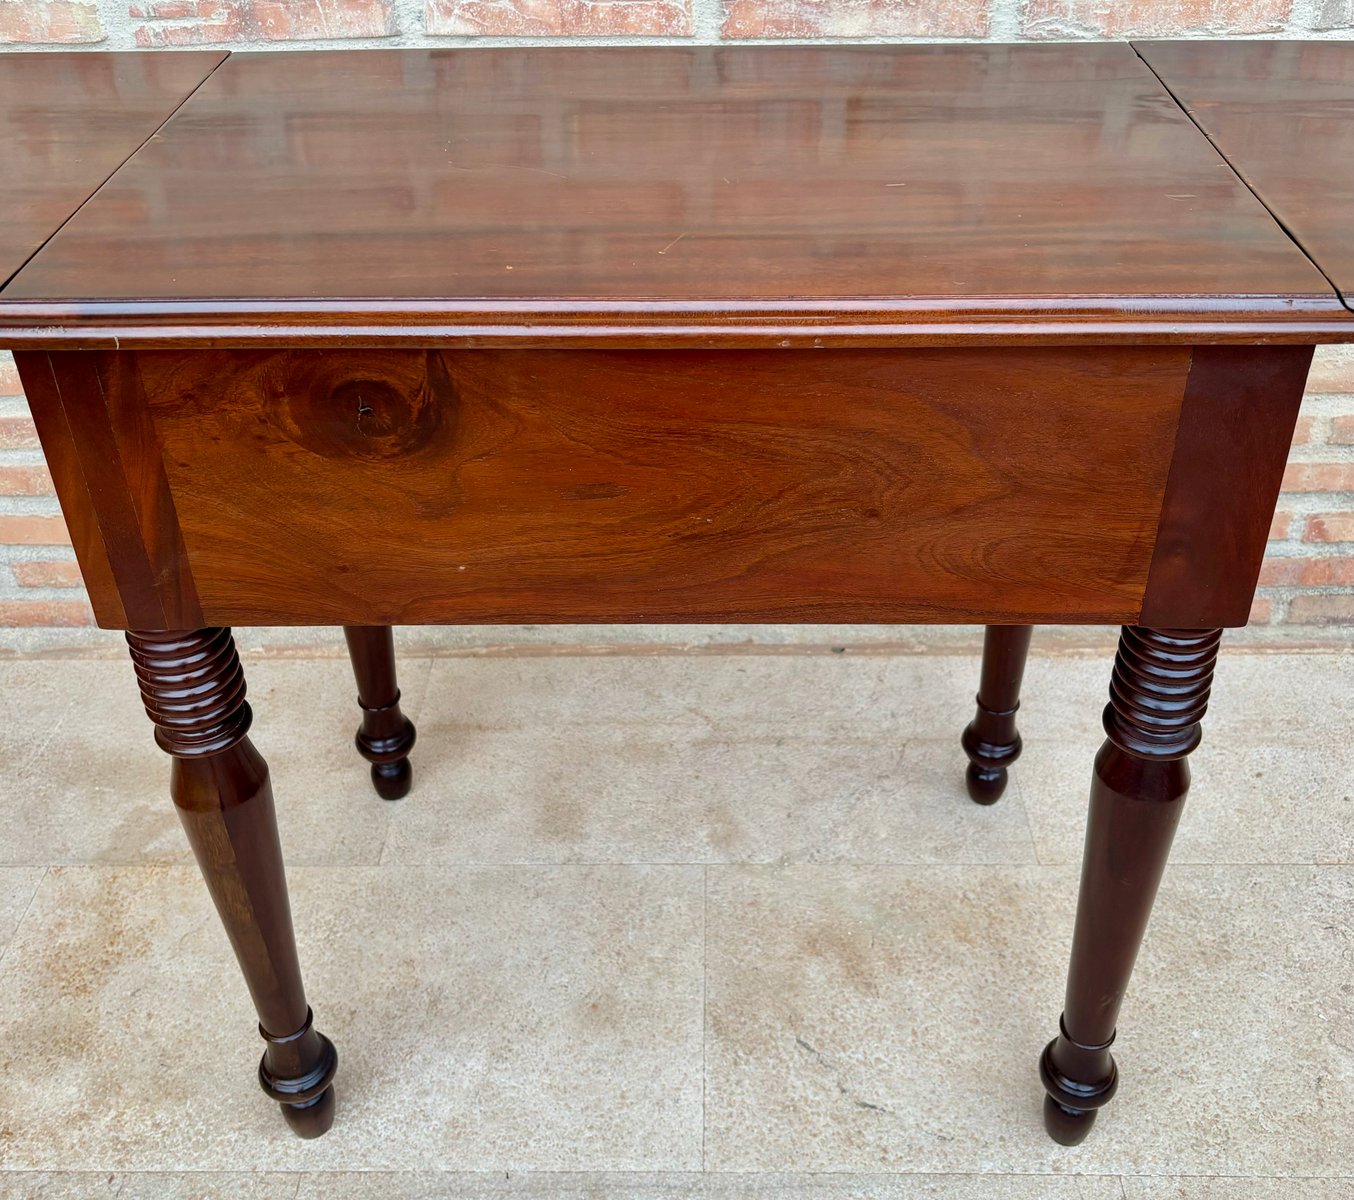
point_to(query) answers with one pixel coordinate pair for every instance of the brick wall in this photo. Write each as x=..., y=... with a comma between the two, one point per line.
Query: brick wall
x=1308, y=578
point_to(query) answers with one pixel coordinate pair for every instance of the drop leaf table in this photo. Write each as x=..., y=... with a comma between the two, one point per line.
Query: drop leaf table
x=974, y=334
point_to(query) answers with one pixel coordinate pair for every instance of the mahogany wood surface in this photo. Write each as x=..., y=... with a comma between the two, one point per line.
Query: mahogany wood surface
x=194, y=692
x=1283, y=115
x=395, y=487
x=1231, y=444
x=68, y=120
x=683, y=334
x=990, y=740
x=1158, y=695
x=675, y=195
x=386, y=735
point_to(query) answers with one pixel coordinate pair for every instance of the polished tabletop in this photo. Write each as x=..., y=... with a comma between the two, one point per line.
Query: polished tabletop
x=722, y=191
x=68, y=120
x=1283, y=115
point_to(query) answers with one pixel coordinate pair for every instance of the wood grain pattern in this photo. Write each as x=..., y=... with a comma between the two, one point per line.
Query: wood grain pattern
x=376, y=487
x=675, y=196
x=1236, y=425
x=95, y=427
x=1283, y=114
x=67, y=121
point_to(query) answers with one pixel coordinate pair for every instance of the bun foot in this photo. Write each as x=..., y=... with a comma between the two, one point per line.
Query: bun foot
x=990, y=740
x=298, y=1072
x=392, y=780
x=1078, y=1081
x=1067, y=1126
x=985, y=784
x=386, y=735
x=312, y=1119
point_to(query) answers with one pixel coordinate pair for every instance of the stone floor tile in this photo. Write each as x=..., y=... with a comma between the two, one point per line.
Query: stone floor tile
x=92, y=786
x=1273, y=781
x=486, y=1019
x=710, y=1186
x=1203, y=1187
x=132, y=1185
x=890, y=1017
x=17, y=885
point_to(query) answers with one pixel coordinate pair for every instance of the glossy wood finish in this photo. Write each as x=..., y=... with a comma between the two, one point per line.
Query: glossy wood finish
x=194, y=692
x=1158, y=697
x=1231, y=445
x=990, y=739
x=386, y=735
x=1283, y=115
x=673, y=334
x=68, y=120
x=676, y=196
x=497, y=486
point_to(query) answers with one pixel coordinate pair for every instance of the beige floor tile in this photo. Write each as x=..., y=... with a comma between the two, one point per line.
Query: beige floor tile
x=867, y=1018
x=486, y=1019
x=680, y=794
x=712, y=1186
x=1236, y=1188
x=17, y=885
x=92, y=786
x=1273, y=781
x=710, y=760
x=124, y=1185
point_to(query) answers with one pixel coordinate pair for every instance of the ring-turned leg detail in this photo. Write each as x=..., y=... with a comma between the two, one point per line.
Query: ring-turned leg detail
x=386, y=735
x=194, y=691
x=990, y=740
x=1158, y=697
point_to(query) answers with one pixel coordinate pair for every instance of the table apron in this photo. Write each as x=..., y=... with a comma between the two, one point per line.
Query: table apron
x=1100, y=484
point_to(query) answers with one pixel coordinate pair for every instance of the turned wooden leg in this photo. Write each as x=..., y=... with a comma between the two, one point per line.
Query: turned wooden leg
x=991, y=740
x=386, y=735
x=1158, y=696
x=194, y=691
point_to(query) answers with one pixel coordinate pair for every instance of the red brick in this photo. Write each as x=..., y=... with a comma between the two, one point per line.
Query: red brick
x=1281, y=526
x=1302, y=431
x=1322, y=610
x=1262, y=610
x=55, y=573
x=1281, y=572
x=286, y=20
x=1342, y=431
x=1327, y=572
x=194, y=22
x=1153, y=18
x=17, y=433
x=1319, y=477
x=854, y=18
x=66, y=21
x=25, y=481
x=33, y=531
x=9, y=377
x=1332, y=370
x=537, y=18
x=45, y=612
x=1330, y=527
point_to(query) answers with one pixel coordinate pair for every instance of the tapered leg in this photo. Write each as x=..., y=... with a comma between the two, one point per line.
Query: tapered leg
x=1157, y=698
x=990, y=740
x=386, y=735
x=194, y=691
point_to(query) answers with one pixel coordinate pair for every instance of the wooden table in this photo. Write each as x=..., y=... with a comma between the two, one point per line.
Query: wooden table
x=971, y=333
